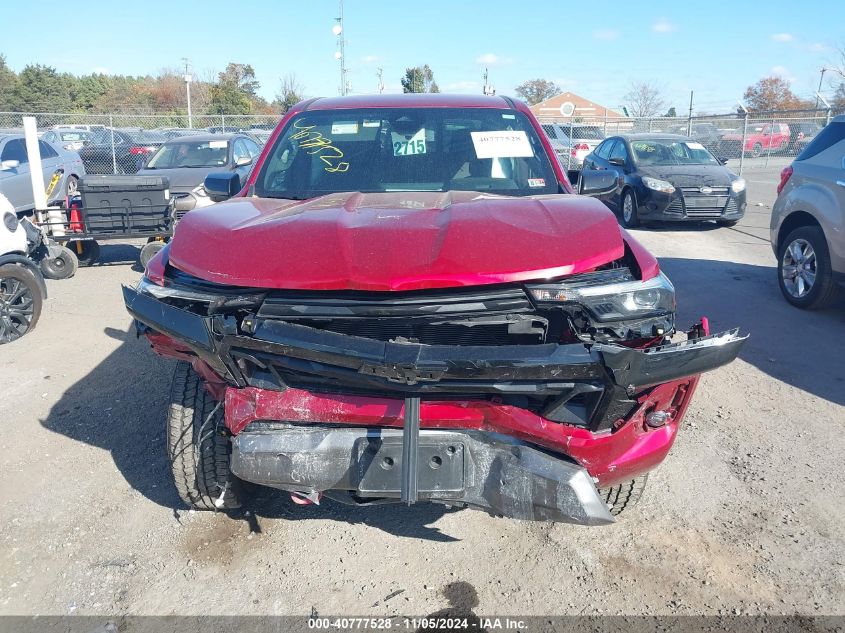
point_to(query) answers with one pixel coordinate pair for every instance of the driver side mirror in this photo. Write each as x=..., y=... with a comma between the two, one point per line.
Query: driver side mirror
x=9, y=164
x=243, y=161
x=222, y=185
x=723, y=160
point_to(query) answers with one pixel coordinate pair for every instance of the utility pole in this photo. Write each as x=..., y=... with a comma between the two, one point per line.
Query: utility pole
x=689, y=121
x=380, y=75
x=188, y=79
x=488, y=89
x=340, y=54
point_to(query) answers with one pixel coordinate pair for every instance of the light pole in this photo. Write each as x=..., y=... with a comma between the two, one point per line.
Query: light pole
x=821, y=79
x=188, y=91
x=340, y=54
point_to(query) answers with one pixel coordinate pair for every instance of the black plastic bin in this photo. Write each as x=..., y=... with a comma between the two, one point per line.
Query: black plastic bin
x=125, y=205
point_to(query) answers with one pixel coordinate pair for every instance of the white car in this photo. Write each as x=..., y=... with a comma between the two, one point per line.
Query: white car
x=71, y=140
x=62, y=170
x=22, y=287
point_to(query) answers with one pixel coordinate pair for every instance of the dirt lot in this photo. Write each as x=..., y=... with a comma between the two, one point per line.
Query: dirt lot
x=745, y=516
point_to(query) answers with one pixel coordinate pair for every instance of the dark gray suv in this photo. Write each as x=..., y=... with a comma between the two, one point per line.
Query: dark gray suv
x=808, y=221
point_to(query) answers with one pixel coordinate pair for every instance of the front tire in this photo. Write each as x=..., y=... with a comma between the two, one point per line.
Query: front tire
x=805, y=275
x=757, y=150
x=20, y=302
x=622, y=496
x=148, y=251
x=630, y=217
x=198, y=445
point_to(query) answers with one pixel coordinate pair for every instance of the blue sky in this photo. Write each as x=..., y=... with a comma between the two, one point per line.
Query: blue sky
x=592, y=48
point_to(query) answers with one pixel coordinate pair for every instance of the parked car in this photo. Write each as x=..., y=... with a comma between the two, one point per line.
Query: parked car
x=71, y=140
x=801, y=134
x=705, y=133
x=62, y=170
x=585, y=138
x=759, y=138
x=808, y=221
x=561, y=145
x=662, y=177
x=121, y=151
x=415, y=248
x=187, y=160
x=22, y=287
x=175, y=132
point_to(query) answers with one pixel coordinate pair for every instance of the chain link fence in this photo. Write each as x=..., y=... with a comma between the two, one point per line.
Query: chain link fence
x=121, y=143
x=746, y=141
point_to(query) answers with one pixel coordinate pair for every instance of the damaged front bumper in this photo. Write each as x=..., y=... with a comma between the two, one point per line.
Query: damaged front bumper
x=266, y=353
x=464, y=468
x=513, y=462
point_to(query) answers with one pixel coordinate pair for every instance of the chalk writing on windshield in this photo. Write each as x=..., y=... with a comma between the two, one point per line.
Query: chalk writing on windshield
x=315, y=143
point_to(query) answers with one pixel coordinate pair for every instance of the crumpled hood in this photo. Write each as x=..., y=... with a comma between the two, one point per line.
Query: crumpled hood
x=691, y=175
x=394, y=241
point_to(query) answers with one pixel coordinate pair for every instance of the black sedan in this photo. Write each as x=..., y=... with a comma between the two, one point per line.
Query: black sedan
x=662, y=177
x=119, y=151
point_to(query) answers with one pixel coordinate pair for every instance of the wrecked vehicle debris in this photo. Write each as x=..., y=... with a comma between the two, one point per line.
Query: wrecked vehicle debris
x=404, y=302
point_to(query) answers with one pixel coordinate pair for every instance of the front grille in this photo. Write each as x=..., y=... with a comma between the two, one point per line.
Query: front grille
x=429, y=333
x=709, y=204
x=498, y=316
x=676, y=207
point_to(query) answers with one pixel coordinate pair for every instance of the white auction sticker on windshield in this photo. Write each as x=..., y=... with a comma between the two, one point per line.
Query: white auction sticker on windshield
x=502, y=144
x=345, y=127
x=406, y=145
x=217, y=144
x=695, y=145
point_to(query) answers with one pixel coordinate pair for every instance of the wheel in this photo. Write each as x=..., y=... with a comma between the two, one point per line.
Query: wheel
x=60, y=262
x=757, y=150
x=86, y=251
x=198, y=445
x=148, y=251
x=72, y=186
x=804, y=272
x=20, y=302
x=624, y=495
x=727, y=222
x=630, y=218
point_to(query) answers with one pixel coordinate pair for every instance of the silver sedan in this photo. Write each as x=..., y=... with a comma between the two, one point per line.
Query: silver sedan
x=62, y=170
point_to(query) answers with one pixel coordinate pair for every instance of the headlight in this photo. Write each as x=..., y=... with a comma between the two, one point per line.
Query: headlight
x=738, y=185
x=11, y=221
x=658, y=185
x=614, y=301
x=215, y=301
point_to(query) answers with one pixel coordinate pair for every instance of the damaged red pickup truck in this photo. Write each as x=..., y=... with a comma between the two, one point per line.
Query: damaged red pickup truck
x=405, y=302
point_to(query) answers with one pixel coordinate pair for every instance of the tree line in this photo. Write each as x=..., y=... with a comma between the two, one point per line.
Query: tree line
x=40, y=88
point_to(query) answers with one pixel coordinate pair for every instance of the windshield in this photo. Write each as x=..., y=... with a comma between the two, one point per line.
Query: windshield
x=414, y=149
x=143, y=137
x=186, y=153
x=74, y=136
x=672, y=153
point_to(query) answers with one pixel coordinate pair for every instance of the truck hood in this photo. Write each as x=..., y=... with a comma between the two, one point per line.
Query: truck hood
x=394, y=241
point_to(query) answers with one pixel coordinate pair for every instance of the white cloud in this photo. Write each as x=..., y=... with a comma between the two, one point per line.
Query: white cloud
x=491, y=59
x=818, y=47
x=370, y=59
x=606, y=34
x=101, y=70
x=783, y=72
x=783, y=37
x=463, y=86
x=663, y=26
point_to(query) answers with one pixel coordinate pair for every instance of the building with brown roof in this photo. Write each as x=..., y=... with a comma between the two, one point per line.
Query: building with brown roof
x=568, y=104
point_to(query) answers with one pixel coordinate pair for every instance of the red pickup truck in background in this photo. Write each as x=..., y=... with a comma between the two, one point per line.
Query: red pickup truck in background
x=759, y=138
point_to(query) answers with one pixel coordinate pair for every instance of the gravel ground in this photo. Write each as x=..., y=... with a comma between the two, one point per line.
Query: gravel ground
x=745, y=515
